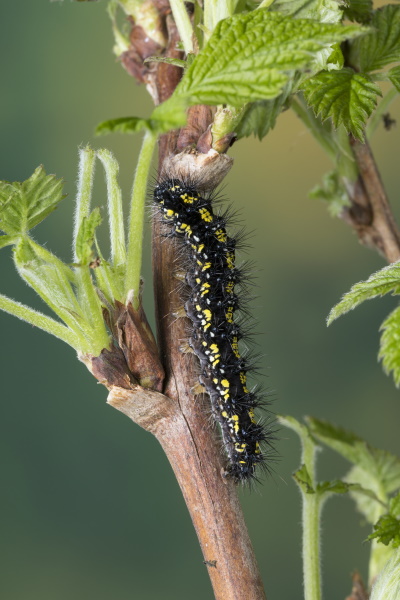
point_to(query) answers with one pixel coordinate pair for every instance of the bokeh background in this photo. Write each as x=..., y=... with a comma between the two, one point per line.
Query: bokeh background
x=88, y=505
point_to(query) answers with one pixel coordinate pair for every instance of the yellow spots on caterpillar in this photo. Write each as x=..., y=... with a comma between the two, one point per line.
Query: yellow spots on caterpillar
x=198, y=280
x=207, y=314
x=221, y=236
x=224, y=414
x=169, y=213
x=206, y=215
x=230, y=260
x=229, y=287
x=184, y=228
x=258, y=449
x=235, y=346
x=206, y=266
x=240, y=447
x=205, y=288
x=229, y=314
x=188, y=199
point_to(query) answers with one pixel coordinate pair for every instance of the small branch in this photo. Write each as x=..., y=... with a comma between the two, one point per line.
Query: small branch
x=370, y=214
x=311, y=560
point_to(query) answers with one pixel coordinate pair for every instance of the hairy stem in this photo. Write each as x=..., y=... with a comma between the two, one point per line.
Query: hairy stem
x=311, y=560
x=136, y=219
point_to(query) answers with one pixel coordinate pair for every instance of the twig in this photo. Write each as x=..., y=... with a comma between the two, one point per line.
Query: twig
x=358, y=591
x=370, y=214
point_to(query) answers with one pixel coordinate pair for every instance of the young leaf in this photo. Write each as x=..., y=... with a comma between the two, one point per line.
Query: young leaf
x=382, y=45
x=387, y=586
x=122, y=125
x=394, y=76
x=333, y=192
x=324, y=11
x=24, y=205
x=248, y=56
x=303, y=479
x=85, y=237
x=389, y=351
x=359, y=10
x=345, y=96
x=387, y=531
x=379, y=466
x=380, y=283
x=261, y=116
x=7, y=240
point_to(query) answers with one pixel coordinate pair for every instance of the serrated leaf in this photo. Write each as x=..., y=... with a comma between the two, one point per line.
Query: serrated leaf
x=122, y=125
x=389, y=352
x=359, y=10
x=371, y=507
x=346, y=97
x=248, y=56
x=7, y=240
x=333, y=487
x=333, y=192
x=24, y=205
x=260, y=117
x=382, y=46
x=324, y=11
x=381, y=468
x=378, y=284
x=85, y=237
x=303, y=479
x=387, y=531
x=394, y=76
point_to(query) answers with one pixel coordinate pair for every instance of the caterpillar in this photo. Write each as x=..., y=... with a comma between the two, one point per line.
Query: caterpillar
x=213, y=280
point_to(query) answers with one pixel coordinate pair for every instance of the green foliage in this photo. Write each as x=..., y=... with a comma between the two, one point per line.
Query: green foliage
x=325, y=11
x=333, y=192
x=24, y=205
x=387, y=531
x=380, y=283
x=248, y=56
x=394, y=76
x=346, y=97
x=375, y=470
x=389, y=351
x=359, y=10
x=261, y=116
x=86, y=236
x=387, y=586
x=382, y=45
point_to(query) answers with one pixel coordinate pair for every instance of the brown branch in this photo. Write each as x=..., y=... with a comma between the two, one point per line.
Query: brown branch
x=370, y=214
x=179, y=419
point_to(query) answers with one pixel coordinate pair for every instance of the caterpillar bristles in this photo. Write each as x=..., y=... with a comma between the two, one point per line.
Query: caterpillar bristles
x=216, y=290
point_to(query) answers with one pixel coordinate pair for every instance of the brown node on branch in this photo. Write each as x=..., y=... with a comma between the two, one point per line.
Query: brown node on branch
x=358, y=591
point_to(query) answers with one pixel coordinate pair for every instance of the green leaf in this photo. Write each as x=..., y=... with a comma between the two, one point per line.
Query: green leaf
x=86, y=235
x=7, y=240
x=346, y=97
x=387, y=531
x=394, y=76
x=389, y=351
x=387, y=585
x=382, y=46
x=24, y=205
x=394, y=505
x=248, y=57
x=171, y=114
x=359, y=10
x=333, y=192
x=324, y=11
x=122, y=125
x=303, y=479
x=261, y=116
x=378, y=284
x=376, y=470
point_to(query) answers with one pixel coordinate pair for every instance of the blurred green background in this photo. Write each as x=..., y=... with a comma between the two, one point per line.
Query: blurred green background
x=88, y=506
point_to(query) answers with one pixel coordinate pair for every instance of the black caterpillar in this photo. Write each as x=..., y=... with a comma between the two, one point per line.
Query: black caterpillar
x=212, y=277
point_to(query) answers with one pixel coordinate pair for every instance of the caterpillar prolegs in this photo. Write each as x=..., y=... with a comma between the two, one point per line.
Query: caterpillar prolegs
x=214, y=279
